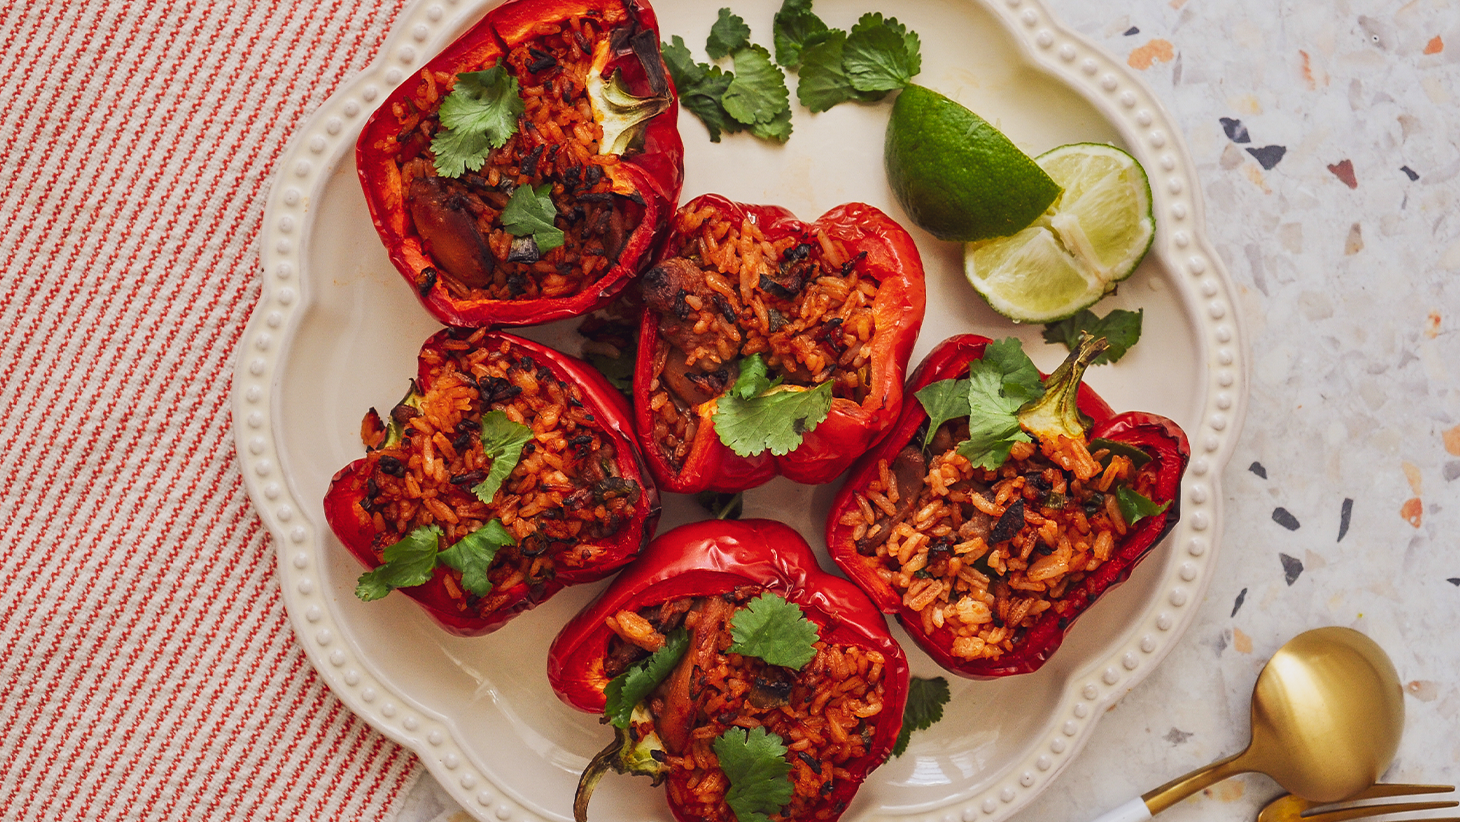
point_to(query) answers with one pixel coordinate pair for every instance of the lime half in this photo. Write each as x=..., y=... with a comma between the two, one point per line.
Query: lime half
x=1092, y=237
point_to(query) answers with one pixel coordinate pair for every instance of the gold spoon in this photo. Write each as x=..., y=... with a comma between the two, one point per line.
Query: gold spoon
x=1327, y=713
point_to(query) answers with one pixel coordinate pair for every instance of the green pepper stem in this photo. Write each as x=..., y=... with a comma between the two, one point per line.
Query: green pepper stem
x=1057, y=413
x=597, y=767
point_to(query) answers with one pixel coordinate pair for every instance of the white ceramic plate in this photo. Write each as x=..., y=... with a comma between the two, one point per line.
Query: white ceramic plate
x=336, y=332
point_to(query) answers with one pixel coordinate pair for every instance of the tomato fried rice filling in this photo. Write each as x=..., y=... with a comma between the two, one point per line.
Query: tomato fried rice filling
x=801, y=302
x=562, y=500
x=556, y=143
x=823, y=713
x=984, y=553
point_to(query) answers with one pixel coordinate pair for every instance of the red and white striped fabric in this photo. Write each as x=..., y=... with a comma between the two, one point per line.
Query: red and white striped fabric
x=147, y=668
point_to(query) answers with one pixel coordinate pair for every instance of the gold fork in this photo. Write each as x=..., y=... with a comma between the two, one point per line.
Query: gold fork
x=1289, y=808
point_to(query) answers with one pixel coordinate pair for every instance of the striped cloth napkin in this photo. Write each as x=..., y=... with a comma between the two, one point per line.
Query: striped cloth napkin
x=147, y=667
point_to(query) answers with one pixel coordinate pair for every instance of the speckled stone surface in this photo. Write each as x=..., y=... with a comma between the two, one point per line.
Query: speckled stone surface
x=1327, y=136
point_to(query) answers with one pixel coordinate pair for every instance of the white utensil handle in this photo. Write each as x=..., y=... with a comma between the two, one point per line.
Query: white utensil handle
x=1132, y=811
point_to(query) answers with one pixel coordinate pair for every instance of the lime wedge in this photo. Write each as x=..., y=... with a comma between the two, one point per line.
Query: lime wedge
x=956, y=175
x=1092, y=237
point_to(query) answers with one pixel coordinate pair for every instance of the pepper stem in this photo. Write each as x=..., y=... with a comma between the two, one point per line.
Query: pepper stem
x=597, y=767
x=1057, y=413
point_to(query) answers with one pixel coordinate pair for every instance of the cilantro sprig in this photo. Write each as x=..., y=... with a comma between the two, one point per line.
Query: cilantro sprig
x=996, y=388
x=775, y=630
x=1120, y=328
x=629, y=688
x=753, y=97
x=502, y=442
x=479, y=114
x=876, y=56
x=755, y=763
x=530, y=213
x=925, y=701
x=1135, y=506
x=759, y=414
x=411, y=561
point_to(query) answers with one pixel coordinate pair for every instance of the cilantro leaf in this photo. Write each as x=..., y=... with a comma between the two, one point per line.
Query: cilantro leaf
x=925, y=701
x=723, y=506
x=793, y=24
x=881, y=55
x=700, y=88
x=502, y=441
x=472, y=555
x=407, y=563
x=619, y=371
x=778, y=129
x=757, y=415
x=774, y=629
x=822, y=81
x=755, y=763
x=1120, y=328
x=1135, y=506
x=998, y=385
x=530, y=213
x=629, y=688
x=753, y=379
x=1021, y=380
x=728, y=35
x=943, y=400
x=479, y=114
x=758, y=94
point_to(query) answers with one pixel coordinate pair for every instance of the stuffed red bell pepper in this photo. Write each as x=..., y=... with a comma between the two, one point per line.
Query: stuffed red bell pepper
x=1002, y=505
x=770, y=345
x=522, y=175
x=725, y=651
x=506, y=473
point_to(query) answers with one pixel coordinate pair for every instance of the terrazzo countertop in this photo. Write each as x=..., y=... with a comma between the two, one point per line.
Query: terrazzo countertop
x=1325, y=135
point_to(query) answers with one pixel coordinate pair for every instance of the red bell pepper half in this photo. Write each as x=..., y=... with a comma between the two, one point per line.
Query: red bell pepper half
x=596, y=122
x=702, y=579
x=575, y=506
x=986, y=569
x=838, y=300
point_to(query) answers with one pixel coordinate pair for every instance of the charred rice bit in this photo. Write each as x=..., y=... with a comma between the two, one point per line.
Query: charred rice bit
x=982, y=554
x=801, y=302
x=823, y=713
x=556, y=142
x=561, y=501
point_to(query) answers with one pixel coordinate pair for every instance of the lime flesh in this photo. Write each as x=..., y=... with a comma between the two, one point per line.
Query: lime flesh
x=1076, y=252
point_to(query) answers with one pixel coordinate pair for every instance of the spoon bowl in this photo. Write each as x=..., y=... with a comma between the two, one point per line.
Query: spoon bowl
x=1327, y=713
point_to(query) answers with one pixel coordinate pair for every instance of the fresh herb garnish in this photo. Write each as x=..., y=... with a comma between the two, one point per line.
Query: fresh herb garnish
x=1120, y=328
x=700, y=88
x=530, y=213
x=881, y=55
x=758, y=96
x=406, y=563
x=479, y=114
x=943, y=400
x=755, y=763
x=758, y=414
x=411, y=561
x=999, y=385
x=877, y=56
x=1135, y=506
x=728, y=35
x=996, y=388
x=629, y=688
x=925, y=701
x=794, y=25
x=502, y=441
x=774, y=629
x=472, y=555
